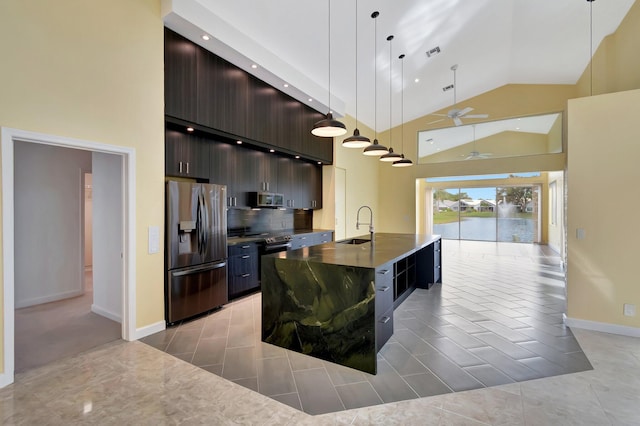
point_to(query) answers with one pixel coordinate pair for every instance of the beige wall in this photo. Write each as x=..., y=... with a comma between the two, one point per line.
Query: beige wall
x=603, y=170
x=94, y=71
x=556, y=230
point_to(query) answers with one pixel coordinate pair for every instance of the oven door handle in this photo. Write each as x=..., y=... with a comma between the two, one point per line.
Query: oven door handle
x=272, y=247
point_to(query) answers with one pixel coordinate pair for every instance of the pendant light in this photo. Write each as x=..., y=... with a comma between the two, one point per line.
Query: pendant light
x=375, y=149
x=329, y=127
x=391, y=156
x=356, y=140
x=403, y=162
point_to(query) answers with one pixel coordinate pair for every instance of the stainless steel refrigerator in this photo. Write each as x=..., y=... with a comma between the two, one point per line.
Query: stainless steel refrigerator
x=196, y=249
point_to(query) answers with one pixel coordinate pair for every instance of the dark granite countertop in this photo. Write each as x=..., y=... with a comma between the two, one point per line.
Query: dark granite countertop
x=387, y=248
x=257, y=238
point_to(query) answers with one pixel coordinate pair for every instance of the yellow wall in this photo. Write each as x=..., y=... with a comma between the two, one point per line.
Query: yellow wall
x=94, y=71
x=602, y=174
x=616, y=62
x=616, y=68
x=361, y=184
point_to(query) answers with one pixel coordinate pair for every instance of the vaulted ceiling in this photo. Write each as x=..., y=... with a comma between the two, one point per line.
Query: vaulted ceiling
x=493, y=42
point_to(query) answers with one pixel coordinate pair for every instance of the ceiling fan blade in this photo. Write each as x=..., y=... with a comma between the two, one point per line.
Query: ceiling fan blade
x=477, y=116
x=457, y=121
x=439, y=115
x=437, y=121
x=464, y=111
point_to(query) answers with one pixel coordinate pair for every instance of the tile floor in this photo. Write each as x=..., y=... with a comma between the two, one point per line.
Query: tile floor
x=131, y=383
x=495, y=320
x=51, y=331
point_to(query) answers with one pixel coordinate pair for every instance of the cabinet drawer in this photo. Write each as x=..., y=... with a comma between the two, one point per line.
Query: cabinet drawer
x=384, y=298
x=242, y=284
x=384, y=328
x=243, y=264
x=241, y=249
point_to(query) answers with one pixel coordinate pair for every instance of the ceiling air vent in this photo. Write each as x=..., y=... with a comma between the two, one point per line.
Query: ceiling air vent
x=446, y=88
x=433, y=51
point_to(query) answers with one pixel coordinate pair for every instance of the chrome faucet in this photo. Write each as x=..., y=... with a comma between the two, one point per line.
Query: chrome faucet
x=370, y=221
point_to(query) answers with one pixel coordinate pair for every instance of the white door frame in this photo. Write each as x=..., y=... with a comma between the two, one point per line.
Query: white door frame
x=9, y=136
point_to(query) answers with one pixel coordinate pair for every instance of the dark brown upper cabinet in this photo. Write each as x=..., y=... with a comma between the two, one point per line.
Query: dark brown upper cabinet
x=223, y=93
x=180, y=86
x=186, y=155
x=204, y=89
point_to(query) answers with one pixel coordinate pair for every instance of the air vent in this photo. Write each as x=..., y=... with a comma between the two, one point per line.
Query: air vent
x=433, y=51
x=446, y=88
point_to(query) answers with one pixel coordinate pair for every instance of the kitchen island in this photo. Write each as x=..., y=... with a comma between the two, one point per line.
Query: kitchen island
x=335, y=301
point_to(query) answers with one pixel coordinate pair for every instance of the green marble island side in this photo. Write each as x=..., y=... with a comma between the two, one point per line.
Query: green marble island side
x=335, y=301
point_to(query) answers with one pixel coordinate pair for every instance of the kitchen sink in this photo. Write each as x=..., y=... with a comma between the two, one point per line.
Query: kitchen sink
x=354, y=241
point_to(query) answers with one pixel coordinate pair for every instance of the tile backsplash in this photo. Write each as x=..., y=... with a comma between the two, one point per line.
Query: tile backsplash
x=241, y=222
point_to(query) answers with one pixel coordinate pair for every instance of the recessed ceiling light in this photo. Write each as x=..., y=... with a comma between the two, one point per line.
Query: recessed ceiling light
x=310, y=100
x=297, y=156
x=239, y=142
x=189, y=129
x=417, y=80
x=254, y=66
x=319, y=162
x=272, y=150
x=205, y=37
x=286, y=85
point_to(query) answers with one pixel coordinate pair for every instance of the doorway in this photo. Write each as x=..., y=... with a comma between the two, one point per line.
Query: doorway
x=13, y=293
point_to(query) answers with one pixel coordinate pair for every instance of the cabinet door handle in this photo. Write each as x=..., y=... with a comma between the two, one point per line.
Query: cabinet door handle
x=385, y=320
x=246, y=275
x=187, y=167
x=246, y=256
x=245, y=247
x=385, y=288
x=180, y=167
x=384, y=271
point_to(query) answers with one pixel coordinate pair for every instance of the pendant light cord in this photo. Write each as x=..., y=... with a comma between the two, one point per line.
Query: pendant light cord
x=590, y=47
x=374, y=15
x=402, y=104
x=356, y=64
x=390, y=38
x=329, y=44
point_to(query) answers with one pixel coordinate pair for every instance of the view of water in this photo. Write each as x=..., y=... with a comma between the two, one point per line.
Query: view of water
x=484, y=229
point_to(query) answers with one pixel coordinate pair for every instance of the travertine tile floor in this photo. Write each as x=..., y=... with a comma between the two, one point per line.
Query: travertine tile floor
x=496, y=319
x=132, y=383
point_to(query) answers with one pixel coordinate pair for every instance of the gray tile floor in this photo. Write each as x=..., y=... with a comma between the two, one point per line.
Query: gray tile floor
x=496, y=319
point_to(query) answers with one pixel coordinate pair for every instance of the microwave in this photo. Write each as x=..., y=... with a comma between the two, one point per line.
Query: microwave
x=266, y=199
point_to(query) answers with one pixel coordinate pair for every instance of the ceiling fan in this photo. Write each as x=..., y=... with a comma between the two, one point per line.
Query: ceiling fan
x=475, y=154
x=457, y=114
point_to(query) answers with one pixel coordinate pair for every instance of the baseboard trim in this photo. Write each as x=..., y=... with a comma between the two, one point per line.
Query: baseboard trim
x=105, y=313
x=603, y=327
x=5, y=379
x=47, y=299
x=150, y=329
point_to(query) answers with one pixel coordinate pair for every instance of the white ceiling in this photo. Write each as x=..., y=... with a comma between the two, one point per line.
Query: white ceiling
x=494, y=42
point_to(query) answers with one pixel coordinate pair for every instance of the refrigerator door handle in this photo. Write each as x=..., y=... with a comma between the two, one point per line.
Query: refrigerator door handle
x=199, y=269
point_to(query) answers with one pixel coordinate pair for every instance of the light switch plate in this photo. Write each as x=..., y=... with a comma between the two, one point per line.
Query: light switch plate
x=154, y=239
x=629, y=310
x=581, y=233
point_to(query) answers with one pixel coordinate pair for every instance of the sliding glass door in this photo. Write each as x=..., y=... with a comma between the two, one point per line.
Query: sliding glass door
x=506, y=214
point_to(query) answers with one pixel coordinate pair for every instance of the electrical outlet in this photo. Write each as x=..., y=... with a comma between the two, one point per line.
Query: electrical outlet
x=629, y=310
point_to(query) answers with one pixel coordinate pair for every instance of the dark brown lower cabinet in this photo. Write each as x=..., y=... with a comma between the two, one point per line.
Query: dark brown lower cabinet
x=244, y=273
